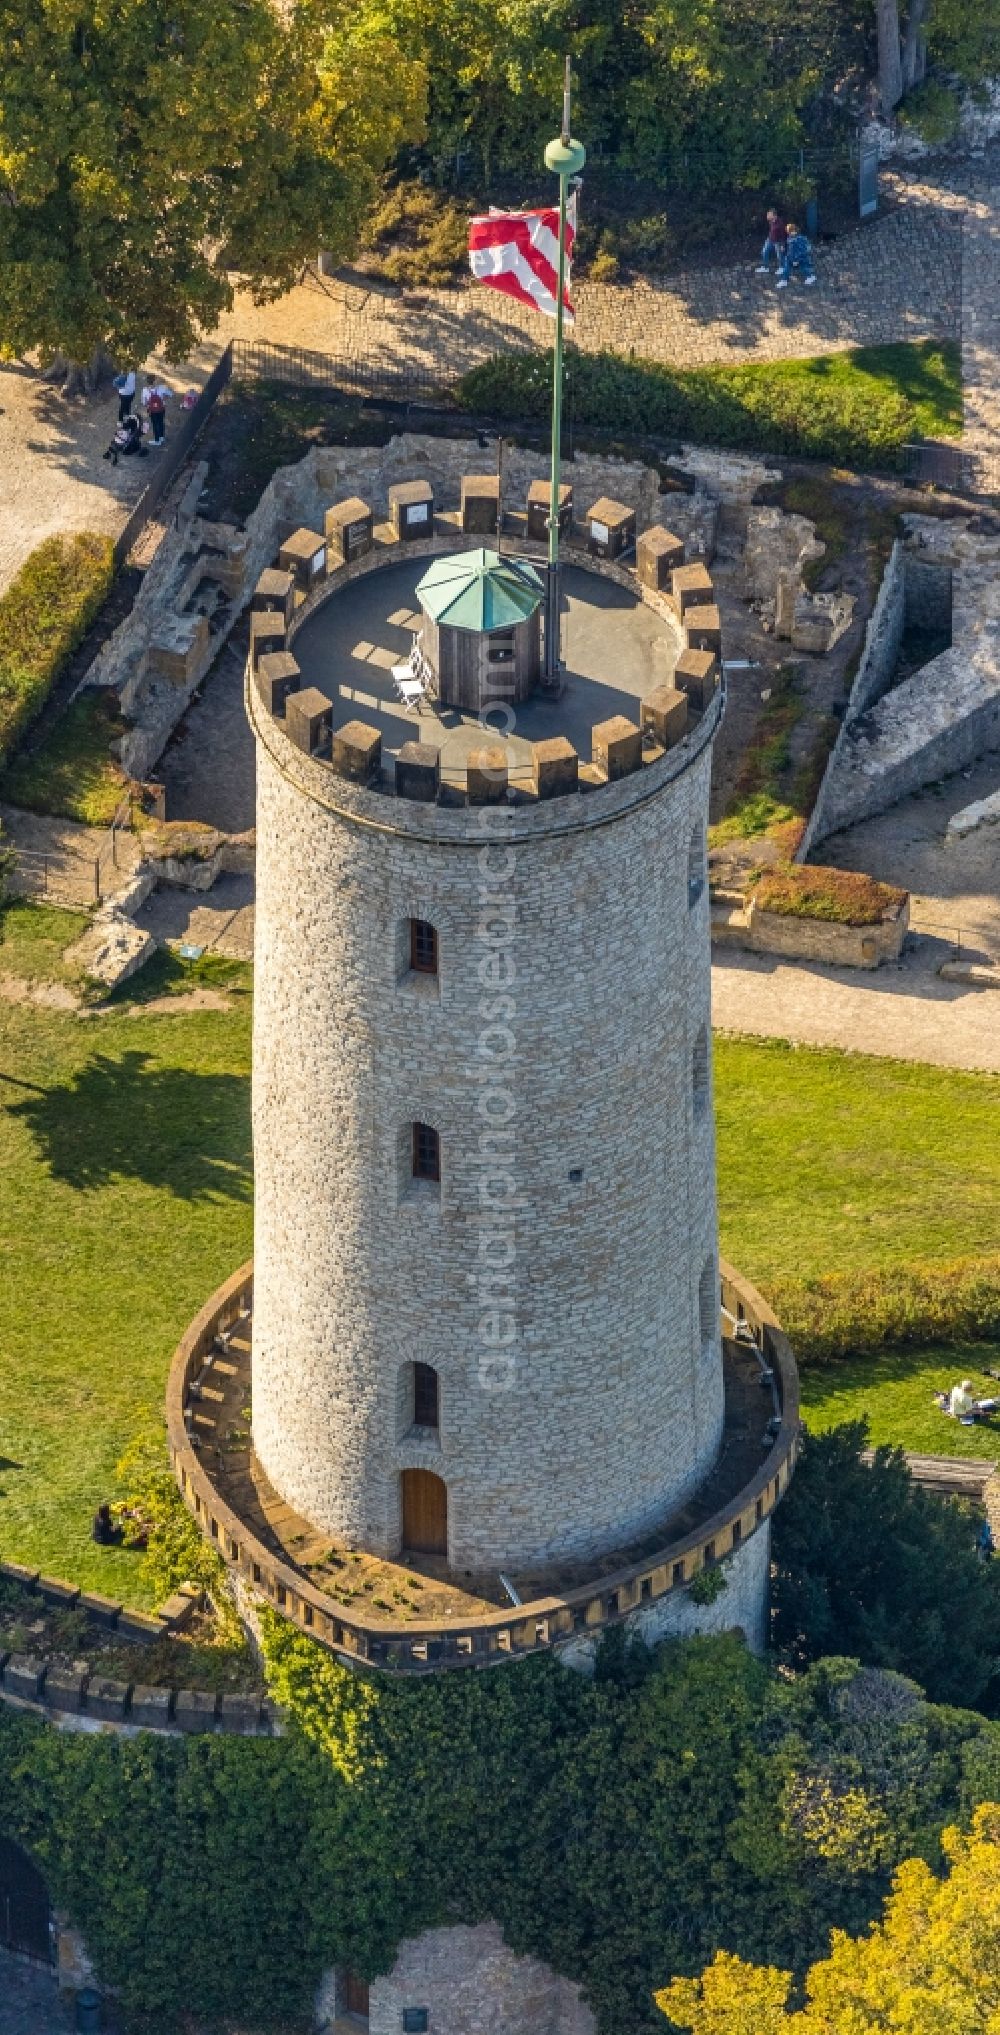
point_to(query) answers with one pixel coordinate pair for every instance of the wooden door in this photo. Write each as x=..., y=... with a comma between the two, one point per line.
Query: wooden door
x=355, y=1996
x=24, y=1904
x=425, y=1512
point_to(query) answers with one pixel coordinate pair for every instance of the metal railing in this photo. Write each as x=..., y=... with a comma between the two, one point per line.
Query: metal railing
x=427, y=384
x=62, y=879
x=176, y=450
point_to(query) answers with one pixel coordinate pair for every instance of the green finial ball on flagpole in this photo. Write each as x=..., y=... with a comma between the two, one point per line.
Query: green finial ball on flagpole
x=565, y=158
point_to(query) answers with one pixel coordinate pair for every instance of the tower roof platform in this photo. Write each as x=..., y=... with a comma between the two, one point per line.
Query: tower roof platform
x=616, y=649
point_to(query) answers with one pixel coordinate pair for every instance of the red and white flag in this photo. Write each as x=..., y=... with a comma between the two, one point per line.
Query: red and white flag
x=518, y=252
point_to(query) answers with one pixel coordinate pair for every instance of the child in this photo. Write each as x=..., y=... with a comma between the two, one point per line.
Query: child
x=798, y=255
x=776, y=243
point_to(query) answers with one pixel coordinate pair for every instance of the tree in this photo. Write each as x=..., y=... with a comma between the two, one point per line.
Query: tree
x=932, y=1967
x=148, y=148
x=868, y=1565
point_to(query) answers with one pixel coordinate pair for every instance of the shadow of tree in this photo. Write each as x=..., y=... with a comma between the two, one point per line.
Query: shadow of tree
x=131, y=1117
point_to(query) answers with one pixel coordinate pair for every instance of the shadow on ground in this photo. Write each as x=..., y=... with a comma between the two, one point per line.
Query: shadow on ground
x=131, y=1118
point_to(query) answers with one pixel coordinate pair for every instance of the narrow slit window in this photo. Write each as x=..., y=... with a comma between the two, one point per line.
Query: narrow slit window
x=426, y=1152
x=426, y=1400
x=423, y=947
x=696, y=866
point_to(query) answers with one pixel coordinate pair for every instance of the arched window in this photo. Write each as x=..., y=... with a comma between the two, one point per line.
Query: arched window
x=696, y=865
x=426, y=1152
x=708, y=1309
x=426, y=1396
x=699, y=1073
x=423, y=947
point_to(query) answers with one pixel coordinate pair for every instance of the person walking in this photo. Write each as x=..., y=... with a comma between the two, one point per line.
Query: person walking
x=776, y=243
x=798, y=256
x=125, y=385
x=156, y=410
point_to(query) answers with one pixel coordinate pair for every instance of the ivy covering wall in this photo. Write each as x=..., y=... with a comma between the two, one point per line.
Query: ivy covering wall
x=621, y=1829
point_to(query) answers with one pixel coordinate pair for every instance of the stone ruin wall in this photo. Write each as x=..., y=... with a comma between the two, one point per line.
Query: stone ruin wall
x=162, y=651
x=940, y=719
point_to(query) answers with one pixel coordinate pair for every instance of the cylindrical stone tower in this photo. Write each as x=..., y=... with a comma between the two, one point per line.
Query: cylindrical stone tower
x=486, y=1297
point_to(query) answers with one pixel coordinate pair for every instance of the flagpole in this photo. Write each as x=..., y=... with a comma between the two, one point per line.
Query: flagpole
x=566, y=158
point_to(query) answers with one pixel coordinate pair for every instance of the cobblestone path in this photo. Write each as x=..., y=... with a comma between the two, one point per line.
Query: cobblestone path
x=897, y=279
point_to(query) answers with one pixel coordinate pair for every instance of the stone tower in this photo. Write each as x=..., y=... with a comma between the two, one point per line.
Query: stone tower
x=491, y=1405
x=485, y=1228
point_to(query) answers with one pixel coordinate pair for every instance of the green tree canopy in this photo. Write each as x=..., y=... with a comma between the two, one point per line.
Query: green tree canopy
x=150, y=147
x=866, y=1564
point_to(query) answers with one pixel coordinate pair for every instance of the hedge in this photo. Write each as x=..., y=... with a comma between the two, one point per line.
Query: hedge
x=851, y=1314
x=855, y=409
x=45, y=612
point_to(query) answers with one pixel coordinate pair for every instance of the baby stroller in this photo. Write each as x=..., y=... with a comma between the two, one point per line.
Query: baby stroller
x=127, y=439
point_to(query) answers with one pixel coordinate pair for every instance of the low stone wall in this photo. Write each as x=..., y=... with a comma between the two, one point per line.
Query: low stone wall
x=807, y=939
x=79, y=1700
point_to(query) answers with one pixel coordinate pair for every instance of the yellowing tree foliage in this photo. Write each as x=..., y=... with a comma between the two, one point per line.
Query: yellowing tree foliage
x=148, y=148
x=931, y=1967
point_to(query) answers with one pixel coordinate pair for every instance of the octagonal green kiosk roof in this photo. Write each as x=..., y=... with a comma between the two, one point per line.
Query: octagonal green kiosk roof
x=479, y=590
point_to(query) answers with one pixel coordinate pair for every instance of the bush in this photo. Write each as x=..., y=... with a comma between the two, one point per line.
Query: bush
x=843, y=897
x=417, y=237
x=934, y=111
x=867, y=1564
x=845, y=1314
x=855, y=409
x=44, y=614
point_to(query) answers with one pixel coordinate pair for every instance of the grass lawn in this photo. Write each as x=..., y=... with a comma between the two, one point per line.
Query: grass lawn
x=832, y=1161
x=894, y=1394
x=34, y=938
x=125, y=1197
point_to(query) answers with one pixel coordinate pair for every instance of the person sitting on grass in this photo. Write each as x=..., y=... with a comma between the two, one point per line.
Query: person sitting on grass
x=798, y=256
x=961, y=1403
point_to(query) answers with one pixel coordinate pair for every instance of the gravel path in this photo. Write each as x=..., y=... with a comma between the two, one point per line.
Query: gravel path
x=900, y=1013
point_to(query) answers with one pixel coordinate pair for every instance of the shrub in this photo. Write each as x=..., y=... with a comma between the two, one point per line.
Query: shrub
x=855, y=409
x=934, y=111
x=415, y=236
x=44, y=614
x=844, y=1314
x=844, y=897
x=867, y=1564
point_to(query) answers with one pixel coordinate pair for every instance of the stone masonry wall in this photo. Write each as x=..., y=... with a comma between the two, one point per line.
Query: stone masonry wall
x=943, y=716
x=741, y=1606
x=470, y=1984
x=607, y=1406
x=879, y=657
